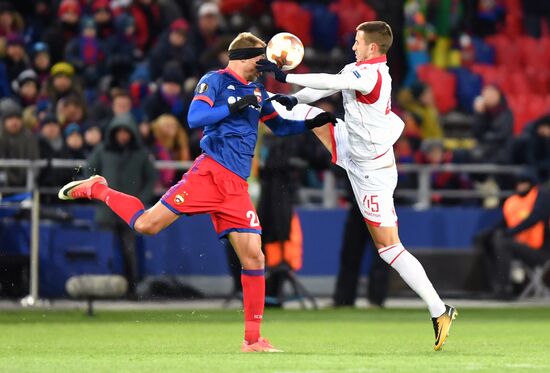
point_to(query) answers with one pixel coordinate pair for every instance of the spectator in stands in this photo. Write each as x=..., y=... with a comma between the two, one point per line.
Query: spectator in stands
x=432, y=152
x=139, y=90
x=531, y=246
x=146, y=13
x=10, y=21
x=65, y=28
x=26, y=88
x=74, y=142
x=207, y=29
x=86, y=53
x=419, y=100
x=92, y=138
x=61, y=82
x=37, y=22
x=71, y=109
x=167, y=99
x=122, y=49
x=489, y=15
x=115, y=102
x=538, y=148
x=103, y=19
x=50, y=140
x=52, y=146
x=173, y=47
x=216, y=57
x=492, y=127
x=16, y=59
x=535, y=14
x=171, y=144
x=41, y=62
x=128, y=165
x=16, y=142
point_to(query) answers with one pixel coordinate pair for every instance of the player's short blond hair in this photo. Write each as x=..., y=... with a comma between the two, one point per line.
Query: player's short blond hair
x=378, y=32
x=246, y=40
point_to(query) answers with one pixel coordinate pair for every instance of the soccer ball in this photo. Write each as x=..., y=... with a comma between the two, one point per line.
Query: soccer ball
x=286, y=50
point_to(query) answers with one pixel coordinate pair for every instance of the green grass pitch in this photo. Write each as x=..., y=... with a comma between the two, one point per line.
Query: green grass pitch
x=365, y=340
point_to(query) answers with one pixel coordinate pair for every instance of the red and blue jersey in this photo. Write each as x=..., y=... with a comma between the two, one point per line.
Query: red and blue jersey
x=230, y=139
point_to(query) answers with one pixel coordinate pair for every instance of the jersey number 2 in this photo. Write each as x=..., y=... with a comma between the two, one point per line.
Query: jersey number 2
x=254, y=221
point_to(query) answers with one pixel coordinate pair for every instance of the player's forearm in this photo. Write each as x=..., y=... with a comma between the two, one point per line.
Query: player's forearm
x=319, y=81
x=286, y=127
x=309, y=95
x=202, y=114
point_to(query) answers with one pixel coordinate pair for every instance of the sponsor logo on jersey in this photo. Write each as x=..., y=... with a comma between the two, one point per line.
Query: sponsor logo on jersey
x=231, y=87
x=203, y=87
x=180, y=198
x=356, y=73
x=258, y=94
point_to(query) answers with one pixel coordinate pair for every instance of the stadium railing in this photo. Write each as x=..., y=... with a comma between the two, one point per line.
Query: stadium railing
x=327, y=196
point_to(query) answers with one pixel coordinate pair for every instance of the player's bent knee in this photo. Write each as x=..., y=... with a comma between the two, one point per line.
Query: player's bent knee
x=253, y=261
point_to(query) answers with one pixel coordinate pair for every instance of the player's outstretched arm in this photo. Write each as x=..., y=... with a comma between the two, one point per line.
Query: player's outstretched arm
x=362, y=81
x=202, y=114
x=292, y=122
x=305, y=96
x=309, y=95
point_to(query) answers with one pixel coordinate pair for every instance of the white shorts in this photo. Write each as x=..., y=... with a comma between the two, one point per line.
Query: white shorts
x=373, y=189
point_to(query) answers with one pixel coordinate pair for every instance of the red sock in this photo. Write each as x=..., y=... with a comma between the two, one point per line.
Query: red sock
x=128, y=207
x=253, y=281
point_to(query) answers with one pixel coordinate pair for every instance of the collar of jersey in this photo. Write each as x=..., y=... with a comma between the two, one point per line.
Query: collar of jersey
x=228, y=71
x=380, y=59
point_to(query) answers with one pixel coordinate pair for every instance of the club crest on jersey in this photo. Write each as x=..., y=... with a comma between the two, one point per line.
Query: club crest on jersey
x=203, y=87
x=258, y=94
x=180, y=198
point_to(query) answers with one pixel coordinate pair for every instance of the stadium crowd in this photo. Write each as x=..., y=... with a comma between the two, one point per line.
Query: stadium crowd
x=72, y=69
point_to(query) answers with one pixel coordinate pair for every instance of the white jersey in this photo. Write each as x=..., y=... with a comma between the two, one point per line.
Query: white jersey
x=373, y=188
x=372, y=127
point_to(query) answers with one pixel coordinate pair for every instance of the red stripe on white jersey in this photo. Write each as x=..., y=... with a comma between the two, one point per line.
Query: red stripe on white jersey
x=378, y=156
x=333, y=141
x=372, y=96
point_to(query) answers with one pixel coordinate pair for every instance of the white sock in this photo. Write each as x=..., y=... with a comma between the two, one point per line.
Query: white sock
x=412, y=272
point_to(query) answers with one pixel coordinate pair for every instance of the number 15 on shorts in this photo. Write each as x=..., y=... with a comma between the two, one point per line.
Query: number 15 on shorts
x=371, y=202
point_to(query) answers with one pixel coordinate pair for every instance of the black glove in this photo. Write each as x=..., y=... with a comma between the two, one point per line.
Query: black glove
x=320, y=120
x=286, y=100
x=243, y=103
x=270, y=67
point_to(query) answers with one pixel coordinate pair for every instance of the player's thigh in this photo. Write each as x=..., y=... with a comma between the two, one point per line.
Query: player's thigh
x=155, y=219
x=323, y=133
x=373, y=191
x=248, y=247
x=236, y=213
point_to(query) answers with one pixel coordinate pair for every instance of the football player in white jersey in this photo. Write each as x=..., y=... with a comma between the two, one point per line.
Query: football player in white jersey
x=363, y=145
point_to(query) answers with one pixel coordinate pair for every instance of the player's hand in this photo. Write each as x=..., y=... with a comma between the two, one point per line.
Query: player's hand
x=265, y=65
x=243, y=103
x=287, y=101
x=320, y=120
